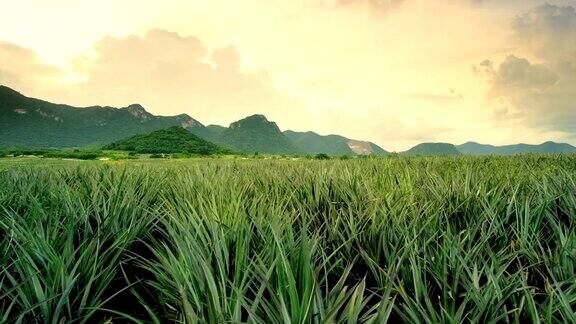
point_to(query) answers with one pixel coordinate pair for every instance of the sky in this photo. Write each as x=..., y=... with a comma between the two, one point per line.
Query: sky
x=395, y=72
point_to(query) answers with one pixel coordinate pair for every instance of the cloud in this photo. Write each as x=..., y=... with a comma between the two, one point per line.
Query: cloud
x=539, y=92
x=226, y=59
x=164, y=71
x=23, y=69
x=548, y=31
x=169, y=74
x=517, y=72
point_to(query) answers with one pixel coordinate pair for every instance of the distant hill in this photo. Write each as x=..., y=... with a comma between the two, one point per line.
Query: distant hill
x=313, y=143
x=473, y=148
x=433, y=149
x=170, y=140
x=255, y=134
x=29, y=122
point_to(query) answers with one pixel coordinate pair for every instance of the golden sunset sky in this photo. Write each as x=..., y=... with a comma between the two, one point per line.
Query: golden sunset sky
x=395, y=72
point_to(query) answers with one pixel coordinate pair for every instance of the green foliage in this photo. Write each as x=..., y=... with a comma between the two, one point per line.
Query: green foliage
x=73, y=155
x=51, y=153
x=171, y=140
x=420, y=240
x=64, y=235
x=322, y=156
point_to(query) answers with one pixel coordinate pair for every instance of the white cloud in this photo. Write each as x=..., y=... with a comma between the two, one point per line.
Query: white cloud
x=541, y=92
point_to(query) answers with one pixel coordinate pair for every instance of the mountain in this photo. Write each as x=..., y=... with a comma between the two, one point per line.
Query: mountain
x=433, y=149
x=29, y=122
x=255, y=134
x=214, y=131
x=170, y=140
x=313, y=143
x=473, y=148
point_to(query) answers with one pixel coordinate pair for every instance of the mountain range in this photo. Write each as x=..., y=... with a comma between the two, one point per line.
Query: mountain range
x=30, y=122
x=473, y=148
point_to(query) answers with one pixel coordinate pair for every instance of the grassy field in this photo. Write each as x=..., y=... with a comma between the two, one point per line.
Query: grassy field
x=421, y=240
